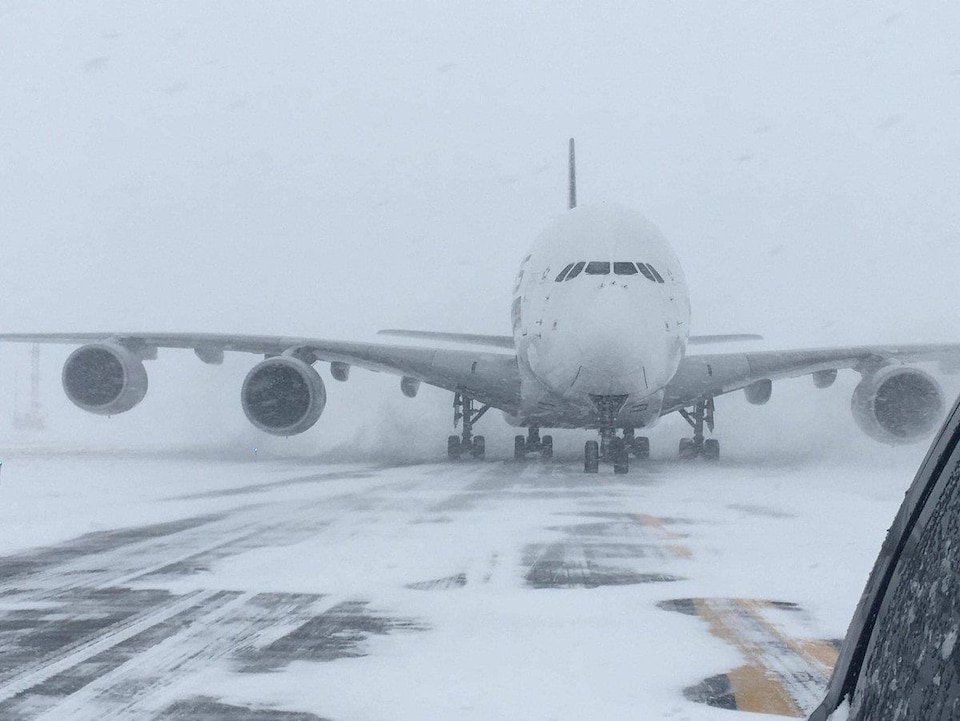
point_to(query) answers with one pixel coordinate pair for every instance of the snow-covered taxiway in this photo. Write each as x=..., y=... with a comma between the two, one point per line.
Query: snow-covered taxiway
x=156, y=587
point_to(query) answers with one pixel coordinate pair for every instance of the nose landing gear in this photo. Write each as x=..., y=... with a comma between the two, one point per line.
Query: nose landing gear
x=702, y=415
x=637, y=445
x=612, y=448
x=533, y=443
x=466, y=443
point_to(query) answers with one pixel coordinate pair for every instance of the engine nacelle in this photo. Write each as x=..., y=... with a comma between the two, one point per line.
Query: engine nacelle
x=898, y=404
x=339, y=371
x=759, y=392
x=104, y=378
x=409, y=387
x=824, y=379
x=283, y=396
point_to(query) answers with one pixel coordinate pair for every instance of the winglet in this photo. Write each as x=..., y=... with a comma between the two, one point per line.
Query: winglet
x=572, y=183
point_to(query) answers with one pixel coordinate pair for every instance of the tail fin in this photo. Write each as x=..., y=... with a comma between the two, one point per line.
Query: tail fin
x=572, y=183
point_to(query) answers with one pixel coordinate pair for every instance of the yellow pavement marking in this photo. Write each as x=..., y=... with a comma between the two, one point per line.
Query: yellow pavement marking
x=768, y=681
x=823, y=652
x=815, y=651
x=754, y=688
x=662, y=533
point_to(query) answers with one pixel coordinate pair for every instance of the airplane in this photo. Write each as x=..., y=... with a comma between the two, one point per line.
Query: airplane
x=601, y=326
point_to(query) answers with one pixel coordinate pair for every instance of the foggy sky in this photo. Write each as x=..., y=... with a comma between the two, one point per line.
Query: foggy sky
x=330, y=169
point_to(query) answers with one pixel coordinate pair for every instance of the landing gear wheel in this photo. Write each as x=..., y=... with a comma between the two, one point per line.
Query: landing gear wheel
x=641, y=447
x=711, y=449
x=453, y=448
x=688, y=449
x=619, y=455
x=479, y=447
x=519, y=448
x=546, y=447
x=591, y=457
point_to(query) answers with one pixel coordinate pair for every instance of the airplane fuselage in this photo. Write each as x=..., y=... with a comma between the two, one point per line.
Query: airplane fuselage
x=600, y=318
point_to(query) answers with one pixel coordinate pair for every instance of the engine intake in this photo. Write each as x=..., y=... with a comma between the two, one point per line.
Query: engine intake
x=898, y=405
x=104, y=378
x=283, y=396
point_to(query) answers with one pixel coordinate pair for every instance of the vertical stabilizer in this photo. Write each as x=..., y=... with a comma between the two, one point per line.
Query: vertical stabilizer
x=572, y=186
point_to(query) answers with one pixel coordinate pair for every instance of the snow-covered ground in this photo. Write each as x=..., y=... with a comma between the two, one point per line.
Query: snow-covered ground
x=155, y=584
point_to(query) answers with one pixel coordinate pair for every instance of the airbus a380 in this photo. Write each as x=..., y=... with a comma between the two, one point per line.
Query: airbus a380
x=601, y=318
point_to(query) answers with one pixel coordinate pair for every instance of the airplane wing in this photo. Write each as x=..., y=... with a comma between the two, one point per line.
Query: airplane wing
x=708, y=375
x=490, y=378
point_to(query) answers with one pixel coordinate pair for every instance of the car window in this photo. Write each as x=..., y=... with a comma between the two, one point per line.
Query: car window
x=624, y=268
x=598, y=267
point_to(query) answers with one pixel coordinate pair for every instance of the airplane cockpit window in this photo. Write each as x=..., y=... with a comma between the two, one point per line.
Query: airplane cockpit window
x=598, y=267
x=646, y=272
x=563, y=273
x=575, y=271
x=655, y=273
x=625, y=268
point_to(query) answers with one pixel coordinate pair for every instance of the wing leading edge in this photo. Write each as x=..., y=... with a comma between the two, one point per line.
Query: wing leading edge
x=709, y=375
x=506, y=341
x=491, y=378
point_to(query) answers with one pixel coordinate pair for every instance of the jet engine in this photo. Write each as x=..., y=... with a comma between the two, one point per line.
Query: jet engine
x=104, y=378
x=283, y=396
x=898, y=404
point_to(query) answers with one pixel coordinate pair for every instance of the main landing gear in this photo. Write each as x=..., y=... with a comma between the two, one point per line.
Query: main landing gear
x=466, y=443
x=533, y=443
x=701, y=415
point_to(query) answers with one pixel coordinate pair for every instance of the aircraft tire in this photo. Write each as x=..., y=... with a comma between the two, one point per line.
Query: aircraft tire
x=519, y=448
x=688, y=451
x=620, y=455
x=479, y=447
x=546, y=447
x=591, y=457
x=711, y=449
x=453, y=447
x=641, y=447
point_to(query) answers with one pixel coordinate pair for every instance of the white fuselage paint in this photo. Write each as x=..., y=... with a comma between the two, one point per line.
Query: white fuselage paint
x=598, y=335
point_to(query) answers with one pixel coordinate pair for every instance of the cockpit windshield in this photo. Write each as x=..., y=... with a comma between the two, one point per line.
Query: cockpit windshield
x=655, y=273
x=598, y=267
x=646, y=272
x=602, y=267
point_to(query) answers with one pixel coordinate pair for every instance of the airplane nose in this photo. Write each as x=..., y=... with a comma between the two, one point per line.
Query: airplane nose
x=611, y=351
x=603, y=345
